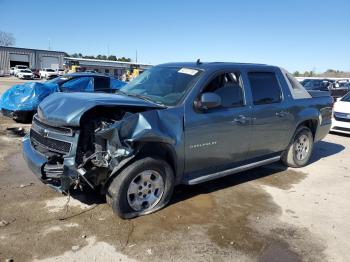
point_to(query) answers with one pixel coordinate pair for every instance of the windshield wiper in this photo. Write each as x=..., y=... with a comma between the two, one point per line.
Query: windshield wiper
x=145, y=98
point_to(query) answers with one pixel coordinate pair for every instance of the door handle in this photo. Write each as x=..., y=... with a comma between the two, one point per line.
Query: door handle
x=241, y=119
x=281, y=114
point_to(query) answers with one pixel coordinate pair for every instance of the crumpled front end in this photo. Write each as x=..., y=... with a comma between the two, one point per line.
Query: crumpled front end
x=50, y=153
x=106, y=140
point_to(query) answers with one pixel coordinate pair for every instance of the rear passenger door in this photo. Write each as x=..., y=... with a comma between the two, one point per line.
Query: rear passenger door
x=270, y=115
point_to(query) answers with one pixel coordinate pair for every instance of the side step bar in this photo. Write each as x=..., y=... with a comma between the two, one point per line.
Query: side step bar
x=232, y=171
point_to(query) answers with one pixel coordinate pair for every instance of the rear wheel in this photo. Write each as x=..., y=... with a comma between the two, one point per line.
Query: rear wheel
x=141, y=188
x=300, y=149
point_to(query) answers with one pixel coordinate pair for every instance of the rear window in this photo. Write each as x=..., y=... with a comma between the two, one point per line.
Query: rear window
x=265, y=88
x=293, y=82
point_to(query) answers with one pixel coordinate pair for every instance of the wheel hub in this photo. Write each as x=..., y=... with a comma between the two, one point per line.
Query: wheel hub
x=302, y=147
x=145, y=190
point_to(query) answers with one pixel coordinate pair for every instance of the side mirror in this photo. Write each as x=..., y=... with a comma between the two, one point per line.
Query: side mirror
x=208, y=101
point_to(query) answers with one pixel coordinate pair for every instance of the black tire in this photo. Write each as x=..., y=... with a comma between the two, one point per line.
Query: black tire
x=118, y=197
x=298, y=155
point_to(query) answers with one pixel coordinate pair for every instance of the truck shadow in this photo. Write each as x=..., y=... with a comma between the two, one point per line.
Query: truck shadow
x=322, y=149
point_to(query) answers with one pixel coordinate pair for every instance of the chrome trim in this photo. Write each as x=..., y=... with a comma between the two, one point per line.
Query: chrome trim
x=52, y=129
x=232, y=171
x=49, y=148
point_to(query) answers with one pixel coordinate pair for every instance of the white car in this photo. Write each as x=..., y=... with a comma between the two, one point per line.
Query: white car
x=341, y=115
x=48, y=73
x=12, y=70
x=60, y=72
x=19, y=67
x=25, y=74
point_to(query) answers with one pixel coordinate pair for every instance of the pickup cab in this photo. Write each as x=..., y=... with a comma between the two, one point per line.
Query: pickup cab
x=177, y=123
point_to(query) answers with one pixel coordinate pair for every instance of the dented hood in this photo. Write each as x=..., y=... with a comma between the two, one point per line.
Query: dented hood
x=66, y=109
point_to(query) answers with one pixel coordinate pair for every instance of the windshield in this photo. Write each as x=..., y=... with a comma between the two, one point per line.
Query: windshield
x=50, y=70
x=22, y=67
x=163, y=85
x=25, y=71
x=346, y=98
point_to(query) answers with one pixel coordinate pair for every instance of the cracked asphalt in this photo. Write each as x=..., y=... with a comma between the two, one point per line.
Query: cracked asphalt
x=266, y=214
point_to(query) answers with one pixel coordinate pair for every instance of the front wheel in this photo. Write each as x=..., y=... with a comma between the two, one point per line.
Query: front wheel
x=141, y=188
x=299, y=150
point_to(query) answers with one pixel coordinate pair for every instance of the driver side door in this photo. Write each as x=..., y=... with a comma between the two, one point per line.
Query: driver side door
x=218, y=139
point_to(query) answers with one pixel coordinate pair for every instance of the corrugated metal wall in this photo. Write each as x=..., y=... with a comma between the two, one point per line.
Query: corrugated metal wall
x=35, y=57
x=4, y=61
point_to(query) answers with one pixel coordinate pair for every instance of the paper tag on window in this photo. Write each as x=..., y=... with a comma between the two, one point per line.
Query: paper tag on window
x=188, y=71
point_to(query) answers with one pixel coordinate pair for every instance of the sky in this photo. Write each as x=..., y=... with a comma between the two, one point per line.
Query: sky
x=295, y=34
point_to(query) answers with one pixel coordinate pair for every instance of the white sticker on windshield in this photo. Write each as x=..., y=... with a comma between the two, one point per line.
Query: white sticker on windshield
x=188, y=71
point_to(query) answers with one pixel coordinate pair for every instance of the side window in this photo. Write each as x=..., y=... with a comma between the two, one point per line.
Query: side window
x=102, y=84
x=229, y=87
x=265, y=88
x=80, y=84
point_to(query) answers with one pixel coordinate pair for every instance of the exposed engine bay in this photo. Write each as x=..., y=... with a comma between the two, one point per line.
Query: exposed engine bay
x=99, y=149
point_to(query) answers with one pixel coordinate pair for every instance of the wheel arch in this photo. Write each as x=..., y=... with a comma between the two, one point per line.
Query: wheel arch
x=163, y=151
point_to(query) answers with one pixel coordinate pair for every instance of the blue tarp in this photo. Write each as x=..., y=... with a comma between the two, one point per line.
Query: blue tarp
x=116, y=84
x=26, y=96
x=79, y=84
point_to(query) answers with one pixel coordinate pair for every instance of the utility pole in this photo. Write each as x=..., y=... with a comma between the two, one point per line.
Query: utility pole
x=136, y=57
x=49, y=44
x=107, y=49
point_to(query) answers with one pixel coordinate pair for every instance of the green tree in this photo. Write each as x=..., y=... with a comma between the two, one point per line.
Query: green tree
x=112, y=58
x=124, y=59
x=296, y=73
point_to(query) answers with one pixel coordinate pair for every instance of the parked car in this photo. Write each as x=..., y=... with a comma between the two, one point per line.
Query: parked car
x=339, y=89
x=48, y=73
x=19, y=67
x=178, y=123
x=60, y=72
x=25, y=74
x=341, y=115
x=12, y=71
x=318, y=84
x=20, y=102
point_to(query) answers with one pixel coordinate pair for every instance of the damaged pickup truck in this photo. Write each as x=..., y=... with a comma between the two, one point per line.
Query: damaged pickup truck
x=178, y=123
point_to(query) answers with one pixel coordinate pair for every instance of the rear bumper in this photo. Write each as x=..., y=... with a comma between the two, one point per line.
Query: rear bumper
x=61, y=181
x=340, y=126
x=322, y=131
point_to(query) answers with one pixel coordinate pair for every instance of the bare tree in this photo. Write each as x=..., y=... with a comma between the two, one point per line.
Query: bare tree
x=7, y=39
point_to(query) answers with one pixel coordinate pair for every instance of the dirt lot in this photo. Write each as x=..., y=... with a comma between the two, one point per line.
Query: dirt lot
x=267, y=214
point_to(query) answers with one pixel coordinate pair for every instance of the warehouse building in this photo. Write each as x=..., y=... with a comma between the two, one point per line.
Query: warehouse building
x=33, y=58
x=116, y=68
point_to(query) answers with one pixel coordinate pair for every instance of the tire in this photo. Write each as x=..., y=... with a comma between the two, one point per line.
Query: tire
x=300, y=149
x=143, y=187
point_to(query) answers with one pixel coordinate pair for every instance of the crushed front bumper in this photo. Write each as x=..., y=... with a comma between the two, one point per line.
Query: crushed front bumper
x=38, y=163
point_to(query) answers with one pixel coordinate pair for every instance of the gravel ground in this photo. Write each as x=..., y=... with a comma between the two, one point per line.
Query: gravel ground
x=267, y=214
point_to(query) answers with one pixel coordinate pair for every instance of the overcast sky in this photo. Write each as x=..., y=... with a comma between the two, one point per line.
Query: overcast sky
x=298, y=35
